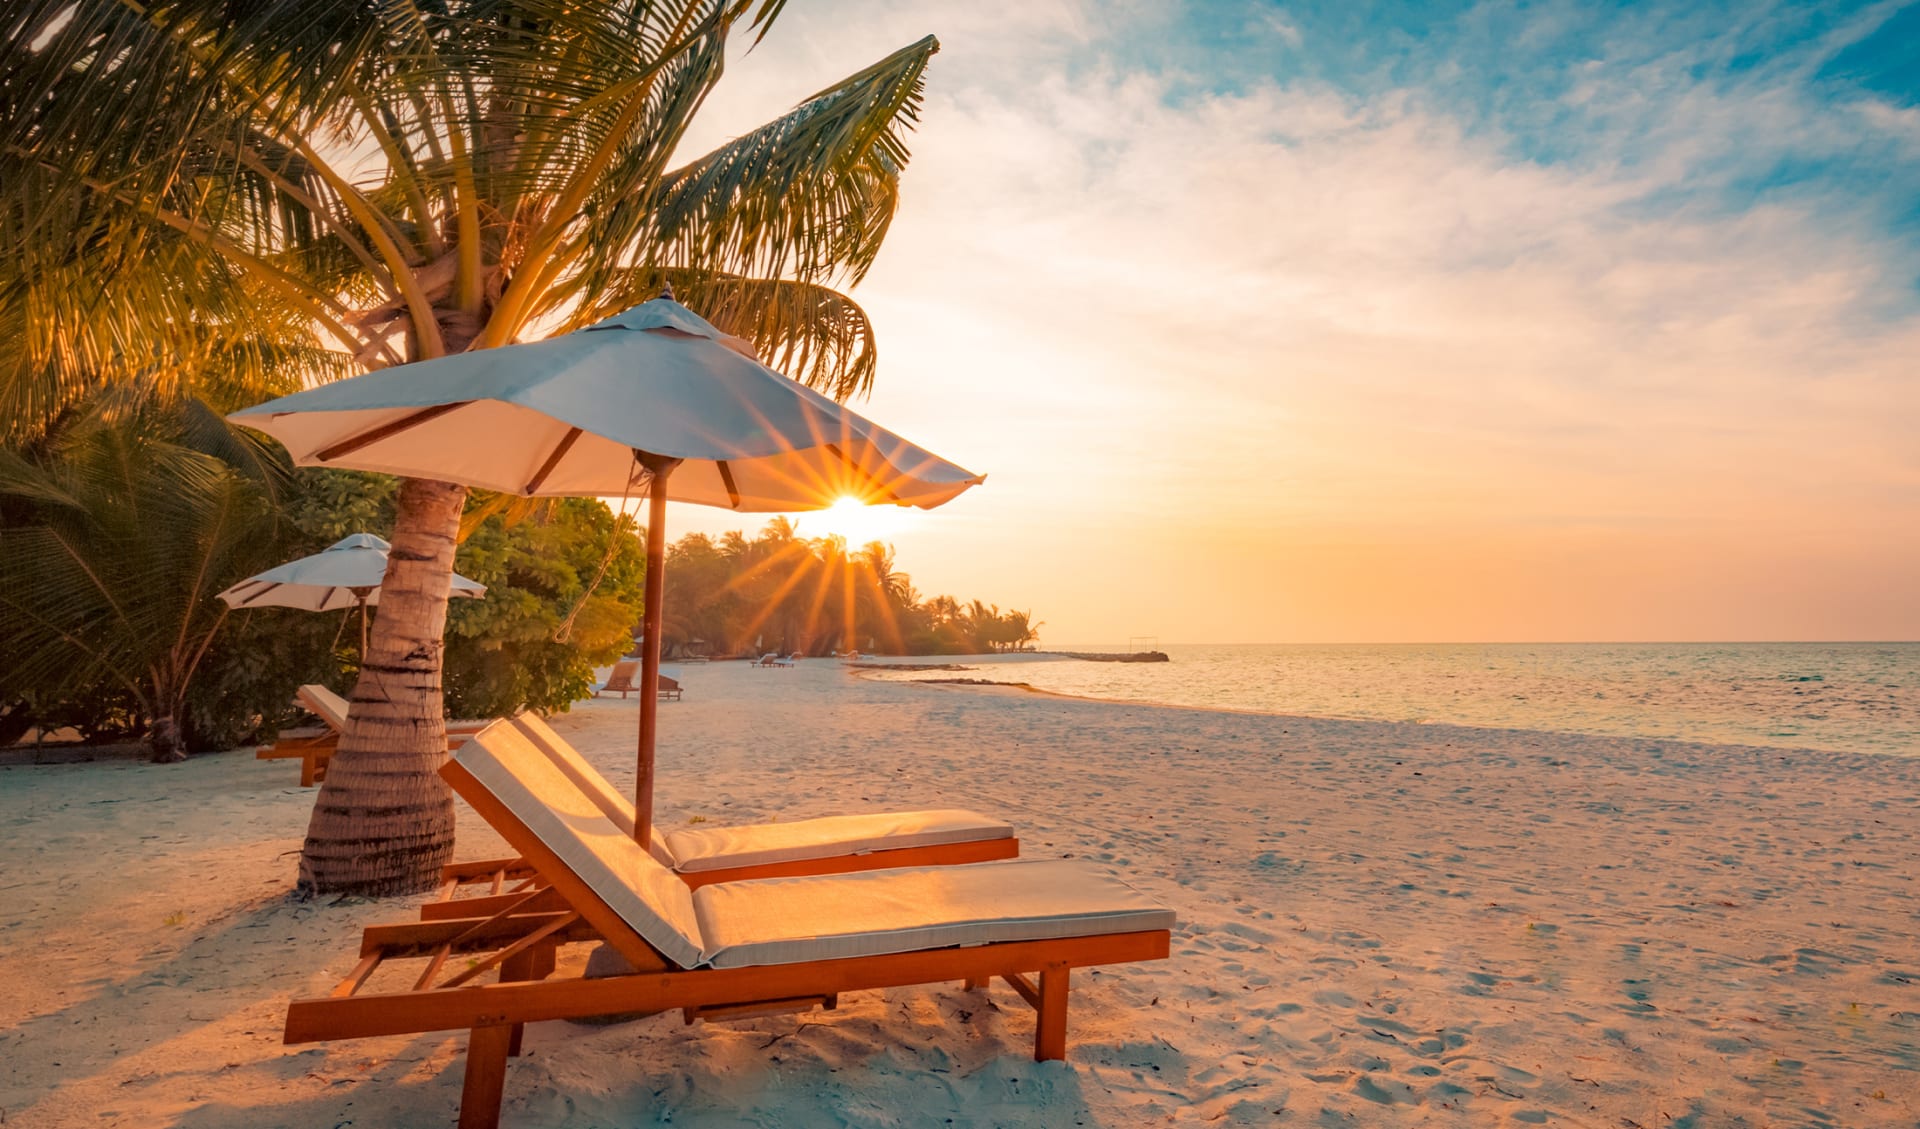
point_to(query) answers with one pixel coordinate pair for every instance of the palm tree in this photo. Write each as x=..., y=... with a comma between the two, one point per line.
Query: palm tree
x=115, y=532
x=405, y=181
x=1021, y=630
x=887, y=591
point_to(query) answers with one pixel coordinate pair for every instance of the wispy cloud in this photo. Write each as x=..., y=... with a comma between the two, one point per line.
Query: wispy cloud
x=1525, y=325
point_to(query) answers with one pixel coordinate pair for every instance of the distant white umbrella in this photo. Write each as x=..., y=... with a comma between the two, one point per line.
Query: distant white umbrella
x=654, y=400
x=346, y=574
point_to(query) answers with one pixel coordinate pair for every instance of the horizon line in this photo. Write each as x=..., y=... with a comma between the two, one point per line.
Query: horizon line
x=1520, y=643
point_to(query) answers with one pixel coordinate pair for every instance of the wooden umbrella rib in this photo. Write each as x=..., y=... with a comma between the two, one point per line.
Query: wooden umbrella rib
x=886, y=492
x=726, y=477
x=559, y=452
x=387, y=430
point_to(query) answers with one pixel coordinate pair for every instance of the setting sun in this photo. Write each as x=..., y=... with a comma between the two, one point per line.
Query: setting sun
x=856, y=521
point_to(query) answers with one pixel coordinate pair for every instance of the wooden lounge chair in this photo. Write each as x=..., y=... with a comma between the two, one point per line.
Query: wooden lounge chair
x=314, y=747
x=705, y=855
x=625, y=679
x=725, y=951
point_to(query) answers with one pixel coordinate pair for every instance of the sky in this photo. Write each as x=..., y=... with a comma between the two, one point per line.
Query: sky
x=1397, y=322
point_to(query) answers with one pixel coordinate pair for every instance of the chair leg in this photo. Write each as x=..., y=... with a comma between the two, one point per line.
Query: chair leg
x=534, y=964
x=976, y=983
x=1050, y=1034
x=309, y=765
x=486, y=1077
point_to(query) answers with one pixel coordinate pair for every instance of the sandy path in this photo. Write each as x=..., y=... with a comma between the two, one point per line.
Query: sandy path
x=1381, y=925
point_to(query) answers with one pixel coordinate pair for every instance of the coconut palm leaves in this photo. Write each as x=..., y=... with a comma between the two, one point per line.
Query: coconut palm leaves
x=404, y=180
x=114, y=535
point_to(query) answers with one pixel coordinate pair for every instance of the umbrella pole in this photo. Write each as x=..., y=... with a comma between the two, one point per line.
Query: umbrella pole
x=363, y=631
x=658, y=468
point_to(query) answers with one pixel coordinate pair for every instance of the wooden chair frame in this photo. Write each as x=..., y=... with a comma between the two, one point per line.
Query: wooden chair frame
x=524, y=947
x=523, y=938
x=458, y=877
x=312, y=750
x=315, y=749
x=509, y=877
x=624, y=679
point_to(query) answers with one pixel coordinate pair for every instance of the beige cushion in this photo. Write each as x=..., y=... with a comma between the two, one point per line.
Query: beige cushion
x=756, y=844
x=611, y=803
x=721, y=848
x=785, y=920
x=323, y=704
x=634, y=884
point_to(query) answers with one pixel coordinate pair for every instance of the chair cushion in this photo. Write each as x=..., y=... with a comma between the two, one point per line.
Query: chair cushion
x=756, y=844
x=787, y=920
x=612, y=804
x=636, y=886
x=323, y=704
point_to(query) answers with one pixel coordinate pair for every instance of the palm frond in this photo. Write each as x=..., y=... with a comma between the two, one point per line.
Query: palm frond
x=814, y=334
x=119, y=529
x=809, y=195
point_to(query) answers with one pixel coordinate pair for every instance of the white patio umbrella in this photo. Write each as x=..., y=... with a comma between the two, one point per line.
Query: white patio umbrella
x=654, y=400
x=345, y=574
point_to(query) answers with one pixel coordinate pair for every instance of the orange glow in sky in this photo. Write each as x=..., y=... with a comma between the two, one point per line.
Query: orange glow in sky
x=1285, y=362
x=858, y=523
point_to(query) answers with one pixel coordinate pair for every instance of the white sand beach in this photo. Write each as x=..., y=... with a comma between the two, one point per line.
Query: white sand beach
x=1380, y=924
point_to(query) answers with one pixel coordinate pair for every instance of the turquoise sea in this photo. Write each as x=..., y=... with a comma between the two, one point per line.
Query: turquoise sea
x=1851, y=697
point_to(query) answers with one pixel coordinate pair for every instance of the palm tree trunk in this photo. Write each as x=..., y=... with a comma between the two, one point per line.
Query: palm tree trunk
x=163, y=738
x=383, y=822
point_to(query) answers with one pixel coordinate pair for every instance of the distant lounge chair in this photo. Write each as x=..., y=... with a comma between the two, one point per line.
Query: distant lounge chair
x=722, y=952
x=314, y=747
x=702, y=856
x=625, y=680
x=768, y=659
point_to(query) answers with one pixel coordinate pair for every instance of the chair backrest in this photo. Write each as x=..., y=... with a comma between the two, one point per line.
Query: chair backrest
x=323, y=704
x=669, y=683
x=585, y=777
x=624, y=672
x=602, y=872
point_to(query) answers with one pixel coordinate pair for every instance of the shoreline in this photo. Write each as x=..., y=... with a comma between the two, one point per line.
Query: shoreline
x=1241, y=711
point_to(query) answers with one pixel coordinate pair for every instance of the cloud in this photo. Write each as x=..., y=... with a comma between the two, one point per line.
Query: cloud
x=1390, y=340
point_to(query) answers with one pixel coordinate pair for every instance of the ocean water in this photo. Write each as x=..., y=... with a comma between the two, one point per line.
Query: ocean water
x=1850, y=697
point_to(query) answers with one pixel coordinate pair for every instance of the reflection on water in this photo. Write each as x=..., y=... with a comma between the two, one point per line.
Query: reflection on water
x=1855, y=697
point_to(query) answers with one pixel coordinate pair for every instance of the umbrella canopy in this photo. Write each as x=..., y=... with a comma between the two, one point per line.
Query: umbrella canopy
x=654, y=399
x=345, y=574
x=567, y=416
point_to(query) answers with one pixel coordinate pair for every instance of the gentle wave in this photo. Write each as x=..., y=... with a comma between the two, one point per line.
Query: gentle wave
x=1850, y=697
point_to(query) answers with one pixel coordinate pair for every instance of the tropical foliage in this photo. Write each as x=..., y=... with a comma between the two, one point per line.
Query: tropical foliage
x=781, y=592
x=564, y=591
x=193, y=191
x=116, y=533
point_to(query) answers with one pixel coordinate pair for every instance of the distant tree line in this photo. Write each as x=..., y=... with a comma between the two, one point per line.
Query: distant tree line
x=781, y=592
